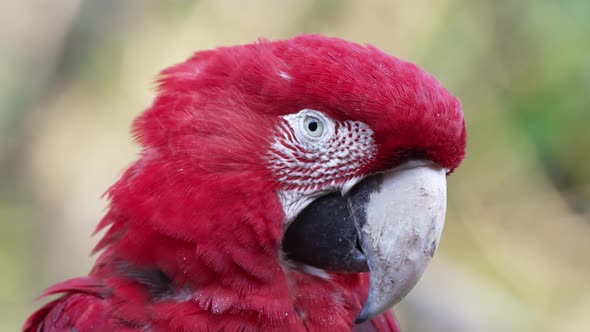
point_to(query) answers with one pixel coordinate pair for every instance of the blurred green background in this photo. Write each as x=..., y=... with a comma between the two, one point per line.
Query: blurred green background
x=514, y=255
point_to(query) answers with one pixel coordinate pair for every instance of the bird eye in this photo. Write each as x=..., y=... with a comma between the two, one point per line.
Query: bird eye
x=313, y=126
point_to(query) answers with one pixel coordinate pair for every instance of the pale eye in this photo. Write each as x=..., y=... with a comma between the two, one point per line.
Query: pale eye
x=313, y=126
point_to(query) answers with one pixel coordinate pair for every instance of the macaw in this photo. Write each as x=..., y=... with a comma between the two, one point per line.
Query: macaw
x=294, y=185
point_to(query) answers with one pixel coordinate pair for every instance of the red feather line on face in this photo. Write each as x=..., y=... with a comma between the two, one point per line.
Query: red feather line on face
x=200, y=206
x=343, y=154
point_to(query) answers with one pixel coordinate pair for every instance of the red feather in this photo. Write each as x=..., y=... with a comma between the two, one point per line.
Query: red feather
x=383, y=323
x=82, y=308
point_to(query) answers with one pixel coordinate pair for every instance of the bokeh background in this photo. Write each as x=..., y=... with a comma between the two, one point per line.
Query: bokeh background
x=514, y=256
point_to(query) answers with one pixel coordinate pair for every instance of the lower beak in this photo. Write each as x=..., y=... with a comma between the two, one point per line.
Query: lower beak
x=389, y=224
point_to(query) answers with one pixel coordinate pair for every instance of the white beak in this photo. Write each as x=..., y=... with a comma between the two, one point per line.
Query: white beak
x=404, y=222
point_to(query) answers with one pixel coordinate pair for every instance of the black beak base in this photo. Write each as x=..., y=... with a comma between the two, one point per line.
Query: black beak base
x=326, y=233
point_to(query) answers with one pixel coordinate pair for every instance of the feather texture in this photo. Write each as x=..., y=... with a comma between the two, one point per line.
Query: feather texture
x=195, y=224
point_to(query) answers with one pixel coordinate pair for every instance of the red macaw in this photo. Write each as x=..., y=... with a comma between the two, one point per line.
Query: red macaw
x=296, y=185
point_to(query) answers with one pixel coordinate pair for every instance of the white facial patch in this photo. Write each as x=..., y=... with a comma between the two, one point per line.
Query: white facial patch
x=313, y=154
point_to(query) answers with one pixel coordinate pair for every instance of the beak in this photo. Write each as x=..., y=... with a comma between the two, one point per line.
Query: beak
x=404, y=222
x=389, y=224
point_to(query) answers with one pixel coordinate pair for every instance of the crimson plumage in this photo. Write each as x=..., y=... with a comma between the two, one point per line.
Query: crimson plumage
x=195, y=225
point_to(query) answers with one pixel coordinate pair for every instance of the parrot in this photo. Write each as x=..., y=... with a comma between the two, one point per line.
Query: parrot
x=287, y=185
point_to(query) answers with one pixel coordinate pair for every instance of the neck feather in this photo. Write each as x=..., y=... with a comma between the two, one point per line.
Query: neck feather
x=219, y=255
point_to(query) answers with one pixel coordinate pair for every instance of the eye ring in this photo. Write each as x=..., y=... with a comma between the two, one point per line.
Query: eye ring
x=313, y=126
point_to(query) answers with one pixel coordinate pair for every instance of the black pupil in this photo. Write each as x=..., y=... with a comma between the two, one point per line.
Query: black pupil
x=312, y=125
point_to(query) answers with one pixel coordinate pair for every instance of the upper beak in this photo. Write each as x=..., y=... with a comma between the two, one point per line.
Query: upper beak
x=403, y=225
x=389, y=224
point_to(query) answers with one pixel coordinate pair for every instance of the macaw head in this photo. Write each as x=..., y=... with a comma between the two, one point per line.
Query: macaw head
x=312, y=154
